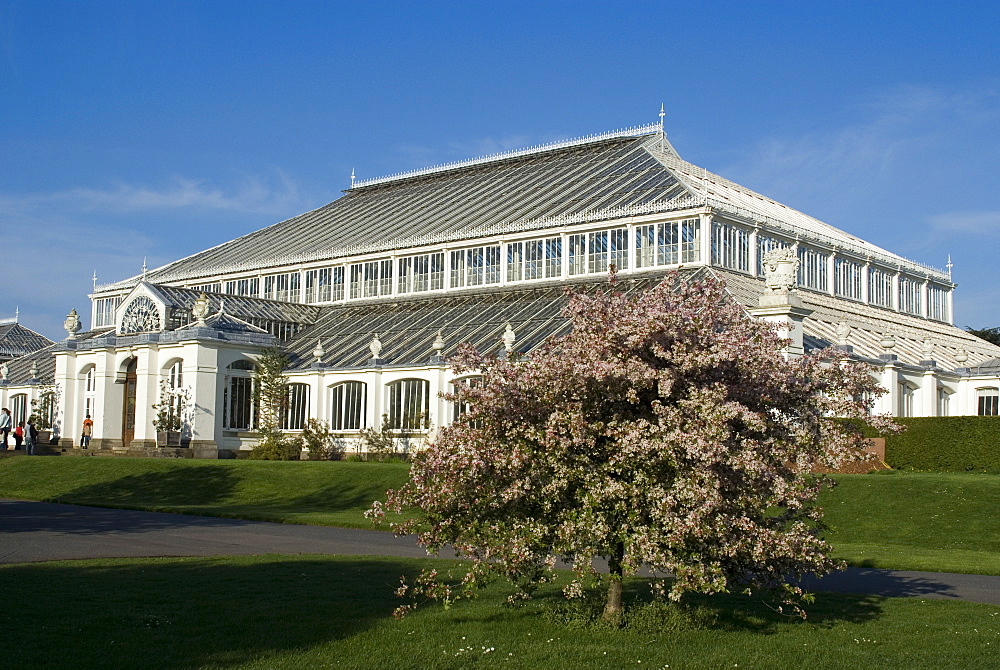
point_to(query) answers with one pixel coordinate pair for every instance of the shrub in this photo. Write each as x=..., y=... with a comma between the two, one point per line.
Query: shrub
x=274, y=446
x=320, y=442
x=946, y=444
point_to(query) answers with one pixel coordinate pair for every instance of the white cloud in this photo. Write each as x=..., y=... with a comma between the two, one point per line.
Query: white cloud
x=967, y=223
x=276, y=194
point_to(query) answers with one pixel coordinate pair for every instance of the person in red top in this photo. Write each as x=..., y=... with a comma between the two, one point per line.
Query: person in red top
x=88, y=430
x=18, y=434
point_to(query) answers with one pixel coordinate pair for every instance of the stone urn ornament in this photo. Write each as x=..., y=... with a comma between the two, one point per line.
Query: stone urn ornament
x=72, y=324
x=375, y=346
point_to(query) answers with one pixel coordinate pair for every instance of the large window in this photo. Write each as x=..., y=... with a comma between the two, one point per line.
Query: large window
x=174, y=382
x=989, y=401
x=89, y=390
x=239, y=410
x=420, y=273
x=212, y=287
x=283, y=287
x=371, y=279
x=476, y=266
x=813, y=268
x=879, y=287
x=667, y=243
x=104, y=311
x=937, y=303
x=18, y=408
x=248, y=286
x=730, y=247
x=906, y=394
x=460, y=408
x=408, y=404
x=909, y=295
x=347, y=406
x=847, y=276
x=318, y=285
x=296, y=410
x=534, y=259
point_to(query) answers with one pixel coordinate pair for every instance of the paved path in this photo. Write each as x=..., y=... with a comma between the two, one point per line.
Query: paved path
x=32, y=531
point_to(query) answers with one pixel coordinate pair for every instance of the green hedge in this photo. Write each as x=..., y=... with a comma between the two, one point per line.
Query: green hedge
x=946, y=444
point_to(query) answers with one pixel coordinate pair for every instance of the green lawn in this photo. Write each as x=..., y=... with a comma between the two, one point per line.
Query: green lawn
x=319, y=611
x=321, y=493
x=917, y=521
x=905, y=520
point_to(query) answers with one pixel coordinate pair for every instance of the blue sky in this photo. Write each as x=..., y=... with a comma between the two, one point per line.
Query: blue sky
x=158, y=129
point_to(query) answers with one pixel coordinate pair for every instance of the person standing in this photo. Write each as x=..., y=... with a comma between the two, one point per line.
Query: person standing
x=88, y=430
x=18, y=435
x=5, y=426
x=30, y=438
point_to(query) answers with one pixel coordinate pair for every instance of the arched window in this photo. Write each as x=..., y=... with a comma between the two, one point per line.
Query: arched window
x=238, y=407
x=171, y=394
x=19, y=408
x=408, y=404
x=296, y=410
x=89, y=390
x=347, y=406
x=460, y=408
x=906, y=393
x=989, y=401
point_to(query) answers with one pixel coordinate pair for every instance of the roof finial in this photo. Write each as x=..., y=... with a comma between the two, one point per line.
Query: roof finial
x=143, y=268
x=662, y=114
x=94, y=279
x=17, y=313
x=352, y=177
x=950, y=265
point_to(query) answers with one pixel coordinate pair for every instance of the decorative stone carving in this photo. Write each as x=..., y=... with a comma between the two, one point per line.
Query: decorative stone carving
x=319, y=352
x=843, y=332
x=375, y=346
x=962, y=356
x=438, y=344
x=72, y=324
x=33, y=372
x=508, y=338
x=4, y=372
x=927, y=349
x=781, y=270
x=888, y=341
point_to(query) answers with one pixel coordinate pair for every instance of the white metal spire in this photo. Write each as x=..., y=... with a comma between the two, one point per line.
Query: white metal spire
x=949, y=266
x=94, y=279
x=143, y=268
x=352, y=177
x=662, y=114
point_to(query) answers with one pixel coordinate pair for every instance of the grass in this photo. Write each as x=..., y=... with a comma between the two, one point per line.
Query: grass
x=313, y=612
x=917, y=521
x=319, y=493
x=901, y=520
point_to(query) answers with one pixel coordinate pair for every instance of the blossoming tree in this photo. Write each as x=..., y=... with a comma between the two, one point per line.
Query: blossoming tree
x=666, y=431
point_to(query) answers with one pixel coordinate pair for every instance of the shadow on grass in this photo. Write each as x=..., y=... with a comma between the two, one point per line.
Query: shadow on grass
x=188, y=612
x=174, y=486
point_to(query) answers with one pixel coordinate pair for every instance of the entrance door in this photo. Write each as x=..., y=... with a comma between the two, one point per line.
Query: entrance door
x=128, y=409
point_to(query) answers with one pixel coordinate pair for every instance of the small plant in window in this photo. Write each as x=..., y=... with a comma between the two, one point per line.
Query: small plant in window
x=169, y=412
x=44, y=407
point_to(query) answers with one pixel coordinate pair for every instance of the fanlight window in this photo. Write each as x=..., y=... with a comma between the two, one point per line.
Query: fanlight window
x=141, y=316
x=347, y=406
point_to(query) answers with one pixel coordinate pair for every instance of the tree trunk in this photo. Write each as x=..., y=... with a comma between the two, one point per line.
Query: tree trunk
x=613, y=605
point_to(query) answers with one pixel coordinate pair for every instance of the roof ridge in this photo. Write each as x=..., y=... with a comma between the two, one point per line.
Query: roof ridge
x=632, y=131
